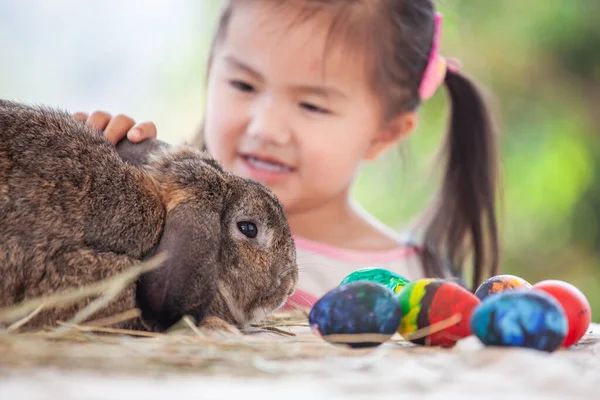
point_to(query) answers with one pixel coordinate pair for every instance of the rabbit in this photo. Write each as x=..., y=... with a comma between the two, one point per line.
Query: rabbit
x=75, y=209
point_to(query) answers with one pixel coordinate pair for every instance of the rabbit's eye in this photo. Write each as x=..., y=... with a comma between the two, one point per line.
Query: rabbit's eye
x=248, y=228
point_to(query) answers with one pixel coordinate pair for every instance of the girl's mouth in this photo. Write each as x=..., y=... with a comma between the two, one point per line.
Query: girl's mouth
x=266, y=164
x=269, y=171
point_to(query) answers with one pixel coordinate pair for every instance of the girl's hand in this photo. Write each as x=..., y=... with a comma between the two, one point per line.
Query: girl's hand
x=116, y=128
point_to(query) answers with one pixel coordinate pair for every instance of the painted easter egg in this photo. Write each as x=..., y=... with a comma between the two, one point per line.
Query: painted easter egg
x=500, y=283
x=390, y=279
x=574, y=304
x=520, y=318
x=357, y=314
x=439, y=306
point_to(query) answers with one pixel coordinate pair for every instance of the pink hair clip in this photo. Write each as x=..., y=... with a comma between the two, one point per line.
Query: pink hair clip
x=435, y=72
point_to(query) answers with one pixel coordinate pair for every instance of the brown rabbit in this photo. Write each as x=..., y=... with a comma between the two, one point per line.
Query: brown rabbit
x=74, y=209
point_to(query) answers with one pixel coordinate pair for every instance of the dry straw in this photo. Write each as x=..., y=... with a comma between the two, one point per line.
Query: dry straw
x=264, y=348
x=81, y=342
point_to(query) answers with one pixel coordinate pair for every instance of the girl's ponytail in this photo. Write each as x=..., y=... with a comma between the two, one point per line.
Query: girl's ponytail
x=463, y=217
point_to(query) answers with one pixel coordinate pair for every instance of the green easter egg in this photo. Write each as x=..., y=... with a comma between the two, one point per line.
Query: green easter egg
x=391, y=280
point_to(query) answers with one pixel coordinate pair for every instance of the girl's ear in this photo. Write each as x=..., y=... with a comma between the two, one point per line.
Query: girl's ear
x=391, y=133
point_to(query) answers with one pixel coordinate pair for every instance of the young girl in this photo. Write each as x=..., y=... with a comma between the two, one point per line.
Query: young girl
x=302, y=92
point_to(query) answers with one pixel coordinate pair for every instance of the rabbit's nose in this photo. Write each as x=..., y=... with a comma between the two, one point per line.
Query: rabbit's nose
x=291, y=287
x=289, y=278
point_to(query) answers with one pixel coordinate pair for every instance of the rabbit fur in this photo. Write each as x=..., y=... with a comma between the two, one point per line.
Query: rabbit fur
x=75, y=209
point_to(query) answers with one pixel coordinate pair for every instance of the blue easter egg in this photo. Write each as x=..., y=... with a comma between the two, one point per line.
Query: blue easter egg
x=357, y=314
x=520, y=318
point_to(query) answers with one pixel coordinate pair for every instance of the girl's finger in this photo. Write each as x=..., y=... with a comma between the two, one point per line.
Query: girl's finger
x=81, y=116
x=99, y=120
x=142, y=131
x=118, y=127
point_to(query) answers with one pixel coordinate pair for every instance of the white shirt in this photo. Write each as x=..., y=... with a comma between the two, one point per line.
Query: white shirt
x=322, y=267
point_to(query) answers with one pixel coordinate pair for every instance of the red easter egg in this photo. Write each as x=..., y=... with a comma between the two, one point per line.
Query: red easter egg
x=450, y=300
x=575, y=304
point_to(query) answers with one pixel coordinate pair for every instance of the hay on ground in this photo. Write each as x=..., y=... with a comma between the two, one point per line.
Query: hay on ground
x=282, y=348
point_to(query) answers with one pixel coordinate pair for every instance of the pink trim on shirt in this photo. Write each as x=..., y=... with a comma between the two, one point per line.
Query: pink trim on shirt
x=300, y=299
x=356, y=256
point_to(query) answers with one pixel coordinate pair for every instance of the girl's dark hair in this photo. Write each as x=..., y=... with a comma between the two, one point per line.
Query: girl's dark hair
x=399, y=36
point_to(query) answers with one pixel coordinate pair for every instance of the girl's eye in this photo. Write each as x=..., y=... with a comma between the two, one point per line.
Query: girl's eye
x=242, y=86
x=313, y=108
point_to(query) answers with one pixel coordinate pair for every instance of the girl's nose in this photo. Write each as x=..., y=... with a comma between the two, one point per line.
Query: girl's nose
x=268, y=123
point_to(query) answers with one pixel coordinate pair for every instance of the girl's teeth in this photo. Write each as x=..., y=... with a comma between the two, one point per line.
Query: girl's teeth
x=268, y=166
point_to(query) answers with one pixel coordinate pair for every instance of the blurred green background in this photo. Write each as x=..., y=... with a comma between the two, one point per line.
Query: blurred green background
x=539, y=59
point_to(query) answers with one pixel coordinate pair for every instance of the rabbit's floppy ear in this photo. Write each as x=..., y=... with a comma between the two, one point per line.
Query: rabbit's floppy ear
x=137, y=153
x=186, y=282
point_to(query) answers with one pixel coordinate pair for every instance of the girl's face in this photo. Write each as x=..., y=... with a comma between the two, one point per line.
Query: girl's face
x=286, y=110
